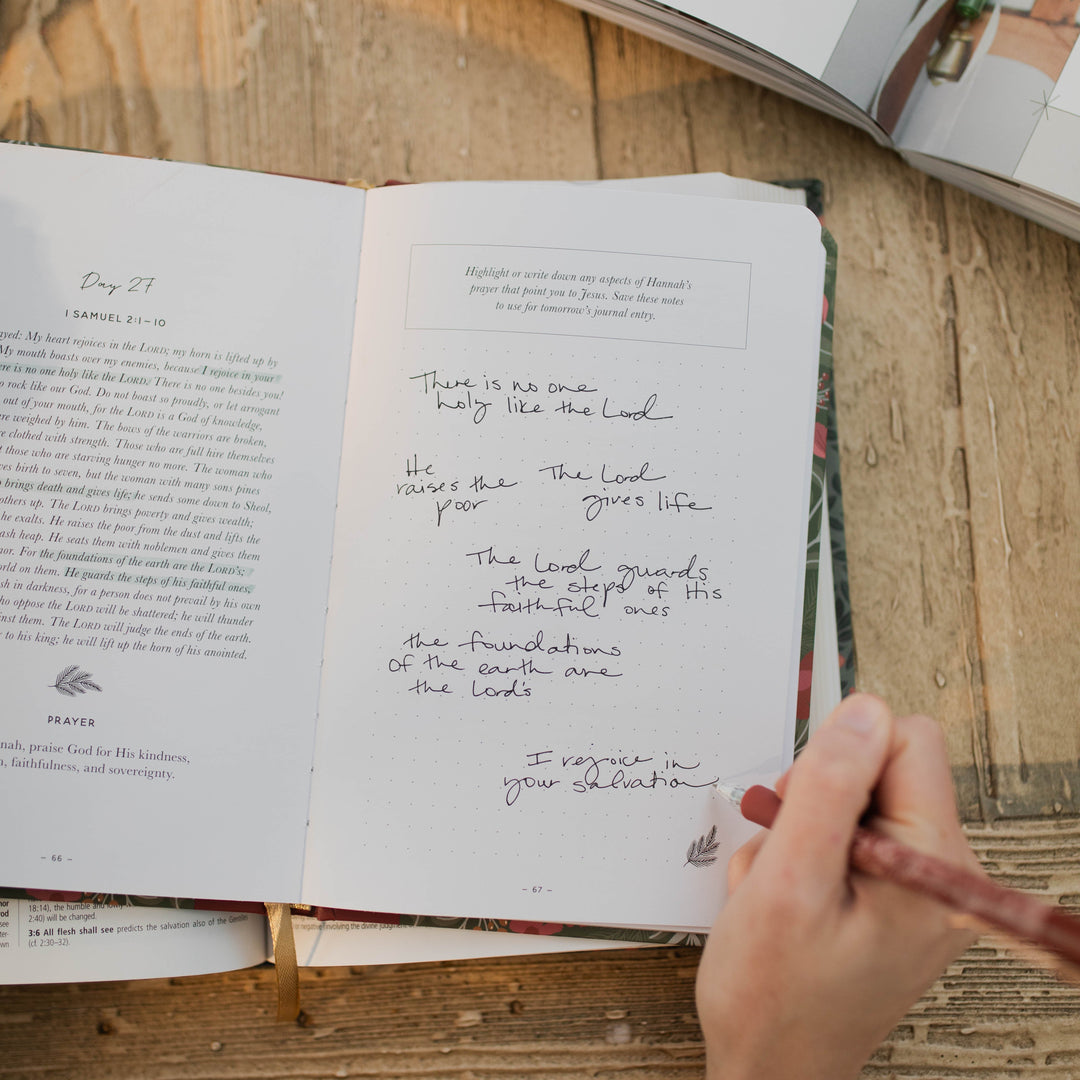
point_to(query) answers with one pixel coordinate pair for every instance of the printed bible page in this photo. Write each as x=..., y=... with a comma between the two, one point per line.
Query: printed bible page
x=53, y=940
x=173, y=359
x=569, y=550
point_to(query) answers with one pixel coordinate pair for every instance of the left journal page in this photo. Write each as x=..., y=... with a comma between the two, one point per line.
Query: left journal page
x=174, y=345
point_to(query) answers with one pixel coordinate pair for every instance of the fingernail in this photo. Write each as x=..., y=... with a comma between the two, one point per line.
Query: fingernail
x=861, y=713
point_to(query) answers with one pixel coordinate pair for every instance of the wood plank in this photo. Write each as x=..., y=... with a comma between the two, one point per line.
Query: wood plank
x=428, y=89
x=497, y=1017
x=408, y=90
x=1018, y=346
x=643, y=124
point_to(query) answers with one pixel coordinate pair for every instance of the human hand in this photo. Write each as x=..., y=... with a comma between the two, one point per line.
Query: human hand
x=810, y=965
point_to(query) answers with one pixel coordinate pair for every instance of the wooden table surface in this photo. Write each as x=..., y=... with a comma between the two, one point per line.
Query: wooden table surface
x=958, y=382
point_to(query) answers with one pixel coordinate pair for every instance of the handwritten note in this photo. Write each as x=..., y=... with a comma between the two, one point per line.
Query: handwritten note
x=584, y=773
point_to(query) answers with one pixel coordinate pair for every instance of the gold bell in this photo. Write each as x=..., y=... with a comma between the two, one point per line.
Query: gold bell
x=951, y=60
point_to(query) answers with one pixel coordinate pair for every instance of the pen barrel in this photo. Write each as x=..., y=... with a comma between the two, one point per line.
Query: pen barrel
x=1061, y=933
x=1014, y=912
x=963, y=890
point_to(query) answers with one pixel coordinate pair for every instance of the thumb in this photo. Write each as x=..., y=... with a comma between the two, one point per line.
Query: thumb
x=826, y=792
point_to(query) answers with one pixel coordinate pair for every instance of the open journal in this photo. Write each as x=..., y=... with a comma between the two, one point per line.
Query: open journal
x=431, y=549
x=981, y=93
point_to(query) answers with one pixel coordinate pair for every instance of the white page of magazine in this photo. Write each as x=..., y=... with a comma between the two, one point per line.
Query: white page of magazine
x=802, y=34
x=569, y=550
x=1051, y=158
x=174, y=349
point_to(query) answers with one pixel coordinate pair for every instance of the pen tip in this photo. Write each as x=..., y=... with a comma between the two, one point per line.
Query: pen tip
x=732, y=793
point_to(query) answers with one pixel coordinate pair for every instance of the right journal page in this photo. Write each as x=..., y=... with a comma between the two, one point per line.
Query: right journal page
x=566, y=588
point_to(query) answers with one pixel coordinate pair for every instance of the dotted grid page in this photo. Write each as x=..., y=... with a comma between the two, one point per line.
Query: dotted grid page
x=568, y=561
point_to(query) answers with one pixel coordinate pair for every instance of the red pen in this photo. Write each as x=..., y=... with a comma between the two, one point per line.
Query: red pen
x=881, y=856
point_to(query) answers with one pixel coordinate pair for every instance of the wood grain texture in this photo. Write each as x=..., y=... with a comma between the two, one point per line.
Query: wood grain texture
x=1017, y=361
x=958, y=348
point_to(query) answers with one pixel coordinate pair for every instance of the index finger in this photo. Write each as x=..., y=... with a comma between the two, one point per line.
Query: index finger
x=826, y=792
x=915, y=800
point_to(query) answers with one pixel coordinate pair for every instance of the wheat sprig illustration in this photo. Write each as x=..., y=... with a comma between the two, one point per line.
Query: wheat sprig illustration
x=72, y=681
x=702, y=852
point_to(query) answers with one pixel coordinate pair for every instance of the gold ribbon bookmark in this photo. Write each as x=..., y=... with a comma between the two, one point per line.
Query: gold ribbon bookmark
x=288, y=974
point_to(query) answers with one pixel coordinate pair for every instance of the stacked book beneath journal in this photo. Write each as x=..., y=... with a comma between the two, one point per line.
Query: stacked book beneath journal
x=983, y=94
x=431, y=549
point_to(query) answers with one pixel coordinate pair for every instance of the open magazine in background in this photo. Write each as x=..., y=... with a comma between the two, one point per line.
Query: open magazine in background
x=983, y=94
